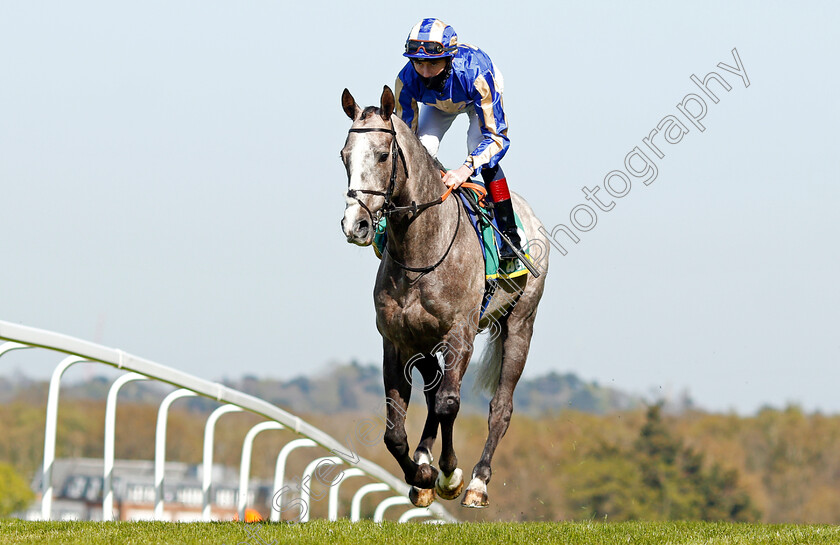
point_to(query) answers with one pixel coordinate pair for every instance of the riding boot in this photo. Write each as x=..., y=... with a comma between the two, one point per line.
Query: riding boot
x=496, y=183
x=507, y=224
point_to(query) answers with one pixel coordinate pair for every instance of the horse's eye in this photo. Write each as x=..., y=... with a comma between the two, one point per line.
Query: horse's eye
x=382, y=157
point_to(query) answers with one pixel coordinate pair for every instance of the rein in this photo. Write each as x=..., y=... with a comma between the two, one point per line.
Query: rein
x=389, y=208
x=430, y=268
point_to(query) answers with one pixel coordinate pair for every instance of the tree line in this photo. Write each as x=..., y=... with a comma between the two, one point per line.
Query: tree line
x=775, y=466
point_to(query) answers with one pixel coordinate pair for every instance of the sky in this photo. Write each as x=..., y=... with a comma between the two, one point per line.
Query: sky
x=171, y=185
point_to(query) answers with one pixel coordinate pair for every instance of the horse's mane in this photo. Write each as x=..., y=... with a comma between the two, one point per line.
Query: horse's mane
x=435, y=161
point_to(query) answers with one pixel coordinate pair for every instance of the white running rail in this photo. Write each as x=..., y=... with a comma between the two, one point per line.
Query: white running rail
x=20, y=337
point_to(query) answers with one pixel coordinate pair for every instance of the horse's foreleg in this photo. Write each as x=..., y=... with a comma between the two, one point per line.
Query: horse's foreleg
x=450, y=481
x=430, y=370
x=398, y=394
x=432, y=377
x=515, y=352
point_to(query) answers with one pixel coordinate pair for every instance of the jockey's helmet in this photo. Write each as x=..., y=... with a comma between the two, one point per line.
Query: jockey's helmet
x=431, y=39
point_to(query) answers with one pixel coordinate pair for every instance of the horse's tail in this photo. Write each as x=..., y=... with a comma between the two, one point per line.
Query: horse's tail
x=490, y=366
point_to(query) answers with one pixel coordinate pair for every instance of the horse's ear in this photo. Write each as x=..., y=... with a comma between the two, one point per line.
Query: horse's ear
x=349, y=104
x=386, y=103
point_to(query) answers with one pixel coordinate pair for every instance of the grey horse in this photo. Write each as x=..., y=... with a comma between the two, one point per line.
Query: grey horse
x=428, y=296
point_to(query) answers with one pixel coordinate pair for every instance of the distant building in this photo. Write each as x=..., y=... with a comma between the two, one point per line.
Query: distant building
x=78, y=484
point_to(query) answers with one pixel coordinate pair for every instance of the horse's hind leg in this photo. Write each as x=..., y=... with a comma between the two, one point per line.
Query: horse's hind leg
x=398, y=393
x=515, y=351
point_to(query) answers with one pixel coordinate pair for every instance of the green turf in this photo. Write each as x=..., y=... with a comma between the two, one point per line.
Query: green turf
x=342, y=532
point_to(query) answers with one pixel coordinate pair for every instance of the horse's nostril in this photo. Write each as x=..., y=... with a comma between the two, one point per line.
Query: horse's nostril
x=362, y=228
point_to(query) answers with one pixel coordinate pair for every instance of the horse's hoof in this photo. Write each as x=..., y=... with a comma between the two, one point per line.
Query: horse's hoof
x=475, y=499
x=476, y=495
x=450, y=488
x=421, y=497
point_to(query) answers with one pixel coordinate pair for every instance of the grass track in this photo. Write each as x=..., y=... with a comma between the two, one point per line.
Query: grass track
x=343, y=532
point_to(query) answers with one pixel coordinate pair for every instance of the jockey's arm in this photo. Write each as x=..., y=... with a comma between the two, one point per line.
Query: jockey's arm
x=488, y=106
x=406, y=107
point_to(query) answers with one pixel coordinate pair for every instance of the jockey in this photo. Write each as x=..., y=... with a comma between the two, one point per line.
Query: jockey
x=450, y=79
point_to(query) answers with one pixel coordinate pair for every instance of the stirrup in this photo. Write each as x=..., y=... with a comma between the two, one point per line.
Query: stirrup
x=506, y=252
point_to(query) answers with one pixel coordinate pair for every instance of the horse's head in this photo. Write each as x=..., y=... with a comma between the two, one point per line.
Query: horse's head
x=370, y=157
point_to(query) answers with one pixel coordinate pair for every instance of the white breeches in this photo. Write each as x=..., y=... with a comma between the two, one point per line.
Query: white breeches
x=432, y=123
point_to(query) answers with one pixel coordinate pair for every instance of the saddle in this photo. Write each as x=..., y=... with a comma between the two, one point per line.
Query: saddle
x=472, y=196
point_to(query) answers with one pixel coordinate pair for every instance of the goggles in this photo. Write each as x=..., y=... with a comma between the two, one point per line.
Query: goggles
x=434, y=49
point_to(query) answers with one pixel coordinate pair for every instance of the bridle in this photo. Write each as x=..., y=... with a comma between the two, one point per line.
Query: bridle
x=389, y=208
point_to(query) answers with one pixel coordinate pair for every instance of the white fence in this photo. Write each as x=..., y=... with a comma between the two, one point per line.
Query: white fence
x=75, y=350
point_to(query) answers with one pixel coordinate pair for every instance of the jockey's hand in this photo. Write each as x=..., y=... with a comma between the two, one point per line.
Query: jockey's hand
x=454, y=178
